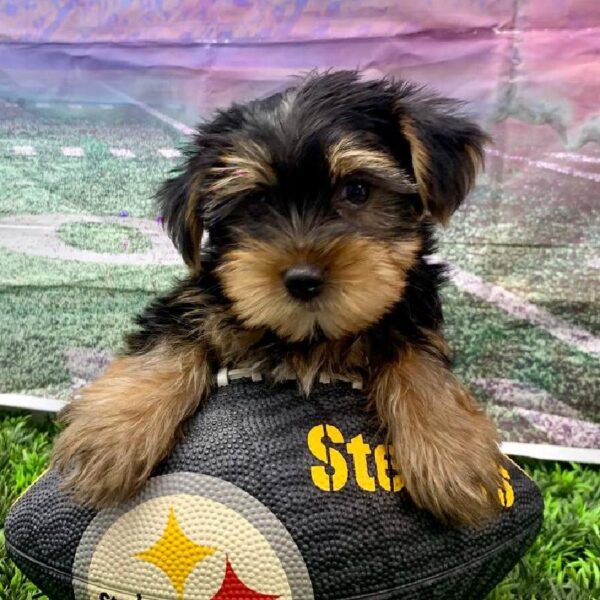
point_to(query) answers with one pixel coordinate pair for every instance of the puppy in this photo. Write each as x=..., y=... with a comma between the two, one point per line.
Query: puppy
x=305, y=220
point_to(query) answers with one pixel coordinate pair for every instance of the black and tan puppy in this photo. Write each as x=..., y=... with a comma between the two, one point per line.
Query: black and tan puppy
x=305, y=220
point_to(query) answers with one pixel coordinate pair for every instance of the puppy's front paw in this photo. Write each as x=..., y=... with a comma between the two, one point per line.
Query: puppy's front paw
x=102, y=460
x=458, y=478
x=125, y=423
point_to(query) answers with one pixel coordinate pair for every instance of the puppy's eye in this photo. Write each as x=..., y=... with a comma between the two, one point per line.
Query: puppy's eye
x=356, y=192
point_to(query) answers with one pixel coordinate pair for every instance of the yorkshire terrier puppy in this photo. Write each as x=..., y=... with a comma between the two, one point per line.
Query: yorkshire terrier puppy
x=305, y=220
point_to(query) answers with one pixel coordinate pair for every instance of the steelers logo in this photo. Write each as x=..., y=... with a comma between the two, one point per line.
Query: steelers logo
x=189, y=537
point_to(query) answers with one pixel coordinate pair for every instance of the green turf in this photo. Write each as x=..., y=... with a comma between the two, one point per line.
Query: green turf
x=97, y=183
x=523, y=209
x=538, y=249
x=563, y=563
x=48, y=307
x=104, y=237
x=24, y=453
x=560, y=279
x=490, y=344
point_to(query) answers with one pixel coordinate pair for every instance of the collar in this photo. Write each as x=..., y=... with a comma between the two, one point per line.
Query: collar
x=226, y=376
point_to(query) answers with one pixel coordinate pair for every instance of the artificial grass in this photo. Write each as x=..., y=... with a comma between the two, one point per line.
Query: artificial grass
x=489, y=344
x=48, y=307
x=24, y=452
x=562, y=564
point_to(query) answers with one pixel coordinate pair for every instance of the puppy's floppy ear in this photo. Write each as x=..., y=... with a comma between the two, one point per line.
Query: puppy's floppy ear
x=447, y=149
x=178, y=204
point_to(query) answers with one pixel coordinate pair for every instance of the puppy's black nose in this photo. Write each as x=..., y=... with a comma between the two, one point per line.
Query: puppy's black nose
x=303, y=281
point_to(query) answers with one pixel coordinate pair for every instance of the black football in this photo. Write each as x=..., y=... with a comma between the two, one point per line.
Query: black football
x=270, y=495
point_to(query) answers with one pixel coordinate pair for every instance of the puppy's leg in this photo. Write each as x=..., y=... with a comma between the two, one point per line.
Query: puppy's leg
x=125, y=422
x=445, y=446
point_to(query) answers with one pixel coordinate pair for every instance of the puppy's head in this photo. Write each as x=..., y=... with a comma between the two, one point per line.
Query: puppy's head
x=309, y=206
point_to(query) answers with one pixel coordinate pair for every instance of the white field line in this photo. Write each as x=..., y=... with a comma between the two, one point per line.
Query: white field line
x=121, y=153
x=73, y=151
x=33, y=403
x=550, y=166
x=30, y=227
x=522, y=309
x=169, y=152
x=152, y=111
x=73, y=106
x=594, y=160
x=106, y=106
x=24, y=150
x=552, y=452
x=42, y=104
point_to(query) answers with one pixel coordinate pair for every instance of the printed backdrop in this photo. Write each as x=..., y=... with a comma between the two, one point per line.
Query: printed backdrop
x=96, y=97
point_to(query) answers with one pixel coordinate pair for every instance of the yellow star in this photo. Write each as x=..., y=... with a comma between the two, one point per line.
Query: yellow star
x=175, y=554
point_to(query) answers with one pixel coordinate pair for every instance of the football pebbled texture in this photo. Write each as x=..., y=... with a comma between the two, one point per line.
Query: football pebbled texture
x=269, y=496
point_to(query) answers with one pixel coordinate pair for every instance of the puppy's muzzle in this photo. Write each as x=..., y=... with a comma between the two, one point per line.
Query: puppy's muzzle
x=304, y=282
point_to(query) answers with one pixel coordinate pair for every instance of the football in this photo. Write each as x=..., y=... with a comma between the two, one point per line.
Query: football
x=270, y=495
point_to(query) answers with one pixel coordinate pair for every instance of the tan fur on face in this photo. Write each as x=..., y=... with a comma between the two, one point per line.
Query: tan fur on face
x=245, y=167
x=125, y=422
x=363, y=279
x=446, y=446
x=420, y=160
x=350, y=155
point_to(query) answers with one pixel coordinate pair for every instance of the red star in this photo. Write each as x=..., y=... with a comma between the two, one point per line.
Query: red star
x=233, y=588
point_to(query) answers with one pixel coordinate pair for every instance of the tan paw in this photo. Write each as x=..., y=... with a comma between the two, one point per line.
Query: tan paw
x=125, y=422
x=458, y=480
x=102, y=462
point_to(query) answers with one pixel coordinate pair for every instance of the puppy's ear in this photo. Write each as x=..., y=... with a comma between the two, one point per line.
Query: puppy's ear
x=178, y=204
x=447, y=149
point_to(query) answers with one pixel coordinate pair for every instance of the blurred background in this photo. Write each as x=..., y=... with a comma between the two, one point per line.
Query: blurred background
x=97, y=98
